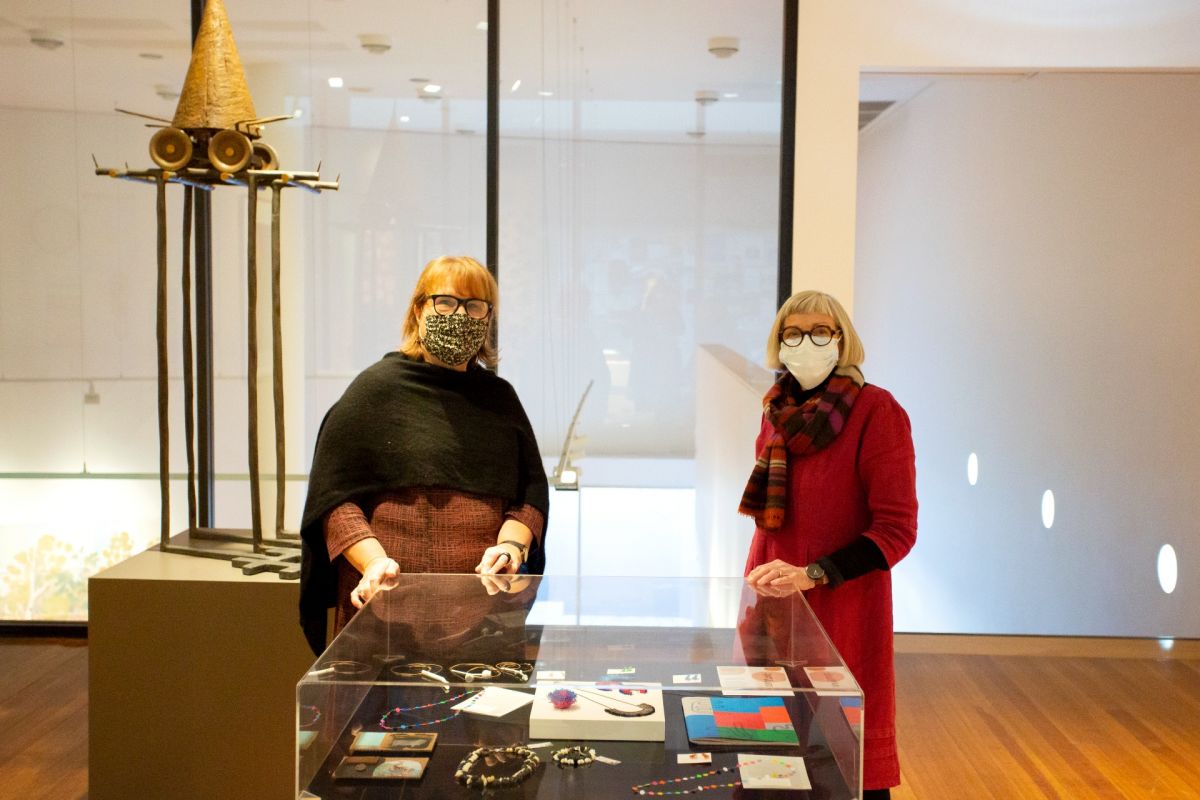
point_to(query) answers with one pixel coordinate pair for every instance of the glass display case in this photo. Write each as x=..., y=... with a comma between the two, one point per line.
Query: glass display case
x=550, y=687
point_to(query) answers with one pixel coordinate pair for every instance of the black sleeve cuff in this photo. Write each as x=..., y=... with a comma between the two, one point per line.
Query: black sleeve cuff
x=853, y=561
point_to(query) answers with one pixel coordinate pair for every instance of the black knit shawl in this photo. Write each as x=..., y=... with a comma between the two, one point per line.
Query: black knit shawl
x=404, y=423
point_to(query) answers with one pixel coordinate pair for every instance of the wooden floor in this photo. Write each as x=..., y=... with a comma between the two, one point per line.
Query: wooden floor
x=1032, y=717
x=979, y=717
x=43, y=718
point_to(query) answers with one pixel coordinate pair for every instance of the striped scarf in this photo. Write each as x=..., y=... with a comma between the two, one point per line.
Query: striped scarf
x=800, y=428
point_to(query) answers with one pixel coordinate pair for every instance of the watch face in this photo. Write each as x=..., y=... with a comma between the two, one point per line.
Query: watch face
x=815, y=572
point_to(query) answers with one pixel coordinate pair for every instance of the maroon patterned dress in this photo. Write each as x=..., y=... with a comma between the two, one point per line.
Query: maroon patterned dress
x=424, y=529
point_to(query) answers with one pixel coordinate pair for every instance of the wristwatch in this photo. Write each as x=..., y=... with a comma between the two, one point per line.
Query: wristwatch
x=522, y=548
x=816, y=573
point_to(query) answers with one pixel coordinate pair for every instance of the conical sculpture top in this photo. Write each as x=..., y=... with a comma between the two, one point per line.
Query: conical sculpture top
x=215, y=94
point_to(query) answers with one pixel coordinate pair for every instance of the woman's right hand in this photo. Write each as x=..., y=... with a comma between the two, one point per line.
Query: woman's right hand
x=380, y=573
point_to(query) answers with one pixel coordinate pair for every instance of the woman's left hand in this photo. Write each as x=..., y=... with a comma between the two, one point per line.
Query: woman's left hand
x=504, y=584
x=499, y=559
x=779, y=574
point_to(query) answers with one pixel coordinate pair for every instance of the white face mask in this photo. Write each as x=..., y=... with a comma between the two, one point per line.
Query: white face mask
x=808, y=363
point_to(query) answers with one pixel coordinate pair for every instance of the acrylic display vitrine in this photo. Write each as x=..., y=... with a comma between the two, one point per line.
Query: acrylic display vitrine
x=580, y=650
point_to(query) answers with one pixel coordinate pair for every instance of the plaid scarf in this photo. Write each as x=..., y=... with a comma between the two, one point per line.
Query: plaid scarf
x=801, y=428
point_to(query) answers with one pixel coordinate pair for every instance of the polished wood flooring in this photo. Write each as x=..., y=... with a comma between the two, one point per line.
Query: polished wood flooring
x=43, y=718
x=1031, y=717
x=979, y=717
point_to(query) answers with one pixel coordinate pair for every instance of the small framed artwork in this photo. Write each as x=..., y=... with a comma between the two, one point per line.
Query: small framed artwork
x=376, y=768
x=387, y=742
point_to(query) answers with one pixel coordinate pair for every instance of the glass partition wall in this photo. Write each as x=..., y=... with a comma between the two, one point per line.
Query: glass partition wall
x=638, y=217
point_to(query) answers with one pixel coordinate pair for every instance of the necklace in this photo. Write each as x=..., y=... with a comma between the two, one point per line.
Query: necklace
x=341, y=669
x=529, y=762
x=515, y=669
x=316, y=716
x=643, y=709
x=383, y=721
x=573, y=756
x=413, y=669
x=641, y=789
x=473, y=671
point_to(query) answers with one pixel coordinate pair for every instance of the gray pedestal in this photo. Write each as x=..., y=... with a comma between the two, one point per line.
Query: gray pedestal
x=192, y=671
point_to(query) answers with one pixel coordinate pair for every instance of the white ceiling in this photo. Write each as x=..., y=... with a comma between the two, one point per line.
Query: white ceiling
x=620, y=69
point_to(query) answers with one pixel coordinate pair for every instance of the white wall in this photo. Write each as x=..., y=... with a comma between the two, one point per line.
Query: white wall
x=1026, y=285
x=730, y=388
x=839, y=38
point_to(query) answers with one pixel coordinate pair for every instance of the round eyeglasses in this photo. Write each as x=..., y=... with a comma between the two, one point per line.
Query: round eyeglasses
x=820, y=335
x=447, y=304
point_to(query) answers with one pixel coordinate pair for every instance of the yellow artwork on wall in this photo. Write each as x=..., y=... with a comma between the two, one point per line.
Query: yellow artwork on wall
x=48, y=581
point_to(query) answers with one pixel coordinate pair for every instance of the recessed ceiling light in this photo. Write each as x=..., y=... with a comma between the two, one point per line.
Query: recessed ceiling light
x=481, y=25
x=335, y=83
x=432, y=88
x=47, y=40
x=516, y=85
x=729, y=95
x=151, y=56
x=405, y=118
x=546, y=93
x=375, y=43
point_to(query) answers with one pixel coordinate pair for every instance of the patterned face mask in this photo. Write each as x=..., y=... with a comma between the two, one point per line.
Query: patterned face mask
x=454, y=338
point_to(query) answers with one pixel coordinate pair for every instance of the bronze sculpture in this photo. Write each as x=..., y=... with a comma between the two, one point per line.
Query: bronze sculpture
x=214, y=140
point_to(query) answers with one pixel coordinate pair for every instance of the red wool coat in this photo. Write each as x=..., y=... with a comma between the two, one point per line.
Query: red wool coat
x=863, y=483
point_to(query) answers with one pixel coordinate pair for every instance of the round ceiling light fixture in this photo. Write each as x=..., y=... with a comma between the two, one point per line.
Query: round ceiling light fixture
x=723, y=46
x=375, y=43
x=47, y=40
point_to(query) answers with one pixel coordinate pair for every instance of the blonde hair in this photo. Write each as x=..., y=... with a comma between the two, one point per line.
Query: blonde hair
x=850, y=348
x=470, y=279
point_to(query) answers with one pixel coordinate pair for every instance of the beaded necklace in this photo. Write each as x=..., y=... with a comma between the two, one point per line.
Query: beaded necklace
x=383, y=721
x=643, y=709
x=316, y=716
x=529, y=762
x=640, y=789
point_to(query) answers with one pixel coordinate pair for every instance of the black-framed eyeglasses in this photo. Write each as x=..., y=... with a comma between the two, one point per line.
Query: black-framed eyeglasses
x=447, y=304
x=820, y=335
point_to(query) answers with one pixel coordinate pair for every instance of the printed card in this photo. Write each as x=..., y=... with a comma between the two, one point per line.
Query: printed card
x=693, y=758
x=831, y=680
x=770, y=681
x=494, y=701
x=773, y=772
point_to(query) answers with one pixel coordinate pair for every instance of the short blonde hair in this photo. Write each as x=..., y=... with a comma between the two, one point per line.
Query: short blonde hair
x=470, y=279
x=850, y=348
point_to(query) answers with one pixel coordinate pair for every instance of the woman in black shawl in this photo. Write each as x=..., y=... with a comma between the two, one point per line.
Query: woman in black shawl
x=427, y=463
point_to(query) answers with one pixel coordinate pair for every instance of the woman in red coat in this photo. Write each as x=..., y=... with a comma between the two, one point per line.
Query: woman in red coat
x=833, y=494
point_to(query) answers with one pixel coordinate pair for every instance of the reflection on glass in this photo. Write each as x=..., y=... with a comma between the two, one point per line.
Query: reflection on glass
x=638, y=210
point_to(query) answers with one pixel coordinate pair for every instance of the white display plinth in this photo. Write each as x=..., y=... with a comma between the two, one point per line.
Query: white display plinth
x=588, y=720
